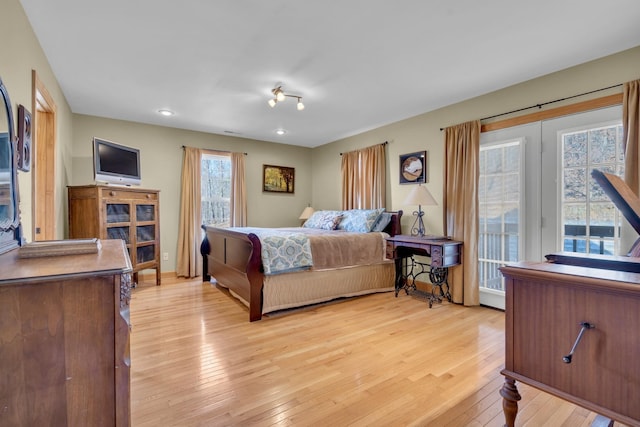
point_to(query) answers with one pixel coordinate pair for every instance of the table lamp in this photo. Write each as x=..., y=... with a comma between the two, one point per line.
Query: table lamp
x=420, y=196
x=306, y=214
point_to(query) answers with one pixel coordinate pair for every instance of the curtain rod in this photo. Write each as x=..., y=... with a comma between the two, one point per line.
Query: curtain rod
x=548, y=102
x=219, y=151
x=382, y=143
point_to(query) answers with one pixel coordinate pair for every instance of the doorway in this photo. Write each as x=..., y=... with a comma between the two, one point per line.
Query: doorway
x=548, y=203
x=44, y=161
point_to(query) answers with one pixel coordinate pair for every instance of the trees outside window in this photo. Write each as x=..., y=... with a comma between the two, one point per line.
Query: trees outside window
x=216, y=189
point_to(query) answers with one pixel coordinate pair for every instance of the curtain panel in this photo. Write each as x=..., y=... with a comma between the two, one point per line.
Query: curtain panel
x=631, y=126
x=349, y=180
x=462, y=169
x=364, y=178
x=189, y=261
x=238, y=205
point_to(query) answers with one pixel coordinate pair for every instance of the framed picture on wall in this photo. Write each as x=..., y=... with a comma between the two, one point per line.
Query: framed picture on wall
x=278, y=179
x=413, y=168
x=24, y=139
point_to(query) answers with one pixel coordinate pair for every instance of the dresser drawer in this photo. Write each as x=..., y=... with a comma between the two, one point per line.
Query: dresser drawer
x=125, y=194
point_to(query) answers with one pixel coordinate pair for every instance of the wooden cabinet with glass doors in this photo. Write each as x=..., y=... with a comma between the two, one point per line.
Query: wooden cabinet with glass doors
x=126, y=213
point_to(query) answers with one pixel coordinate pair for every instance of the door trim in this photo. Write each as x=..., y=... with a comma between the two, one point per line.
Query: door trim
x=43, y=162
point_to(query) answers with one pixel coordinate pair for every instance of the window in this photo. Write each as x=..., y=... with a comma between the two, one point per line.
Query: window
x=590, y=221
x=500, y=201
x=216, y=189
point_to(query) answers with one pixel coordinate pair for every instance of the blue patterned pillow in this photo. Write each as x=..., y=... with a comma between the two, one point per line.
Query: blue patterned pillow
x=381, y=223
x=359, y=220
x=324, y=220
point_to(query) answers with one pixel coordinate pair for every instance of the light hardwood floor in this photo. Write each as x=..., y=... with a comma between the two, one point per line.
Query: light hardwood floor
x=369, y=361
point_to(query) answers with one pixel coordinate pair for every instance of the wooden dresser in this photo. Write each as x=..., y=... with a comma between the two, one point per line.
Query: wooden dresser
x=64, y=339
x=112, y=212
x=547, y=305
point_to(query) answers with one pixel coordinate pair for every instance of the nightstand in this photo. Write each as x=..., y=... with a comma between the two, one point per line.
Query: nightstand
x=444, y=253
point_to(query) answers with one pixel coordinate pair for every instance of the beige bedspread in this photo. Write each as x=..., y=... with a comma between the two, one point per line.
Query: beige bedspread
x=345, y=264
x=337, y=249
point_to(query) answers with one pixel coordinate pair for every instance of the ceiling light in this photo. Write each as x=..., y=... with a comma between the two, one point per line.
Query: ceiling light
x=279, y=96
x=166, y=113
x=281, y=131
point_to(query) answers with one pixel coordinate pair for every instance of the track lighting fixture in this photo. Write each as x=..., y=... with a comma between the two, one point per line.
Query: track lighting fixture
x=279, y=96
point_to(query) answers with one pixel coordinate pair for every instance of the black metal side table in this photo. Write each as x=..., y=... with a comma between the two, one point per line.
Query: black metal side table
x=444, y=253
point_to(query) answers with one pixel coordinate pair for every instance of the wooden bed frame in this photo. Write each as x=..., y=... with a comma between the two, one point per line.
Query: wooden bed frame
x=234, y=259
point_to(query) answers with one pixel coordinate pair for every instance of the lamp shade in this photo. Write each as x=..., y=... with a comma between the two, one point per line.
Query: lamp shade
x=421, y=196
x=306, y=213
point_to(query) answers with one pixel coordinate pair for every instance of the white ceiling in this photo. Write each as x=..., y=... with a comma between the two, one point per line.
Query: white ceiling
x=359, y=64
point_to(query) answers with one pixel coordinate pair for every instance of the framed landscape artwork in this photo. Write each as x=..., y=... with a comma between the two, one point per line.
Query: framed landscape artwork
x=413, y=168
x=278, y=179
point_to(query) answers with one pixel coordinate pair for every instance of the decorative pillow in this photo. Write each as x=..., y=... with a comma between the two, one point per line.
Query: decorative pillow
x=359, y=220
x=325, y=220
x=383, y=220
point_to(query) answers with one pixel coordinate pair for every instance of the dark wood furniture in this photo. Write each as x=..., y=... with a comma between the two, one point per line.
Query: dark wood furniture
x=234, y=259
x=127, y=213
x=444, y=253
x=572, y=324
x=546, y=307
x=64, y=339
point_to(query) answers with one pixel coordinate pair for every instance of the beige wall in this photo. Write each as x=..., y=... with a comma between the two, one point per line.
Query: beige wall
x=423, y=132
x=317, y=170
x=20, y=53
x=161, y=165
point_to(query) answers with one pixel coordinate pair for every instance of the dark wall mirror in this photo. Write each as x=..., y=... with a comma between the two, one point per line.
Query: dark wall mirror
x=10, y=233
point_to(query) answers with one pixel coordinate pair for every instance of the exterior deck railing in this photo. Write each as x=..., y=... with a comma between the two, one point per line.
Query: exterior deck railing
x=601, y=239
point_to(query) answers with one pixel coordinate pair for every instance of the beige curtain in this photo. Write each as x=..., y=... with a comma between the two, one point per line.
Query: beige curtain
x=462, y=152
x=364, y=178
x=189, y=262
x=238, y=206
x=349, y=180
x=631, y=130
x=631, y=125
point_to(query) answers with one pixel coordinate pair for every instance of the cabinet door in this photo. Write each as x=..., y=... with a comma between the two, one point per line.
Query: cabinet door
x=146, y=232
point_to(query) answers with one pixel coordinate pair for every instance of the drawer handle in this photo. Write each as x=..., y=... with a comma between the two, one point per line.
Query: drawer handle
x=585, y=326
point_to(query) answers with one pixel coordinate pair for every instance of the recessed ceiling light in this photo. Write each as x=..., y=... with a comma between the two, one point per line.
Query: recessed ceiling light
x=166, y=113
x=281, y=131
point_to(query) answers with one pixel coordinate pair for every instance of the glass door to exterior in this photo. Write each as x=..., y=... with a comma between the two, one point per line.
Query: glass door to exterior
x=537, y=196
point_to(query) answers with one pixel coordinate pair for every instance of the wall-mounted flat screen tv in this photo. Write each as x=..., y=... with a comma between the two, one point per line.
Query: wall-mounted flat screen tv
x=115, y=164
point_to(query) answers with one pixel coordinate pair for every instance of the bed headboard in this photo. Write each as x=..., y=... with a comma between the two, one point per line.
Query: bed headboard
x=394, y=226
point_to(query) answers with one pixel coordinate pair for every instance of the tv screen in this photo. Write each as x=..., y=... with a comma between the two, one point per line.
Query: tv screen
x=115, y=164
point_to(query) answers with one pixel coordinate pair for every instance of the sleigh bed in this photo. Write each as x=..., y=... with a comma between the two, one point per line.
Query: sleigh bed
x=331, y=263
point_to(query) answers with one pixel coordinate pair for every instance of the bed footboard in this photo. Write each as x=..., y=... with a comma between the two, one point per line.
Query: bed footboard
x=233, y=259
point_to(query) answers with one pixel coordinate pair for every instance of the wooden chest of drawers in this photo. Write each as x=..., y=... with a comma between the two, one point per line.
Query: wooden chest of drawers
x=64, y=339
x=546, y=305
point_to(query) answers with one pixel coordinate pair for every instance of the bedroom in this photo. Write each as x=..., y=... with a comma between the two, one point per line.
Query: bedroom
x=316, y=169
